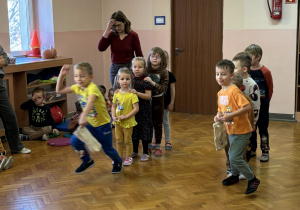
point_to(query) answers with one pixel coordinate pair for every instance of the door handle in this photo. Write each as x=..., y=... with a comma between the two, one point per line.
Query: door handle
x=178, y=50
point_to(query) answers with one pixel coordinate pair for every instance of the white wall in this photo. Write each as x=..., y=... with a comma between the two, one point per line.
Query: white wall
x=248, y=22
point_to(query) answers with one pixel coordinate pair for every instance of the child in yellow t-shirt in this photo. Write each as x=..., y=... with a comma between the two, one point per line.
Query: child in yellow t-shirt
x=233, y=110
x=94, y=115
x=125, y=106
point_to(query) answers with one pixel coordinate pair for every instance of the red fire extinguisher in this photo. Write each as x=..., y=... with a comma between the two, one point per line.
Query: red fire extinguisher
x=276, y=11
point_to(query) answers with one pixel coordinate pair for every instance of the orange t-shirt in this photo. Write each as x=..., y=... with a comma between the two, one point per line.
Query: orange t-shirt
x=230, y=101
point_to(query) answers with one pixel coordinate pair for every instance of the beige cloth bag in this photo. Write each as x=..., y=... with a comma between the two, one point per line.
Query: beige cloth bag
x=220, y=135
x=85, y=136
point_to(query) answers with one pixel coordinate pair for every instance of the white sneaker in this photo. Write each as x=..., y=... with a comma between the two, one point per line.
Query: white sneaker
x=229, y=174
x=25, y=151
x=2, y=163
x=45, y=137
x=242, y=177
x=8, y=162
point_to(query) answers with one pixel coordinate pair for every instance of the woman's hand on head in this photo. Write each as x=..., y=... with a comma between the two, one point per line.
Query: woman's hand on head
x=110, y=24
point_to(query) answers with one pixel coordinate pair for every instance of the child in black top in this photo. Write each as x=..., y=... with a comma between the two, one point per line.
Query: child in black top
x=144, y=129
x=40, y=118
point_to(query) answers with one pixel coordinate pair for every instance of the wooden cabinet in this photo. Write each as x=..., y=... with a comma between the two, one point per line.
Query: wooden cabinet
x=18, y=89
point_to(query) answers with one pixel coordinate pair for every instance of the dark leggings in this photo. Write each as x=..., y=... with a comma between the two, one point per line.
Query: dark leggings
x=157, y=117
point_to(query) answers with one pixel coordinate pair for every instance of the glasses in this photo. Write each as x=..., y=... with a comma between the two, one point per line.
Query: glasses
x=117, y=26
x=155, y=56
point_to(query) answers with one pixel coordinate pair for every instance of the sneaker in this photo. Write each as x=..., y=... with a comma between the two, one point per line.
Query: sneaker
x=168, y=146
x=2, y=163
x=9, y=162
x=230, y=180
x=24, y=151
x=228, y=170
x=264, y=157
x=3, y=153
x=128, y=161
x=242, y=177
x=152, y=146
x=45, y=137
x=253, y=153
x=84, y=166
x=158, y=153
x=229, y=174
x=134, y=154
x=252, y=185
x=117, y=167
x=145, y=158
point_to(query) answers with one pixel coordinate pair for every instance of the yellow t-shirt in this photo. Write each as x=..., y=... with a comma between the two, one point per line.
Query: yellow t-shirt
x=124, y=102
x=229, y=101
x=98, y=115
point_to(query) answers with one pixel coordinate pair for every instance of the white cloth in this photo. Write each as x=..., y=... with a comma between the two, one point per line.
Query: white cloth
x=85, y=136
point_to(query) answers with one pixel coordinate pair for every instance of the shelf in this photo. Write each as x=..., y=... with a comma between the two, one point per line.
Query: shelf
x=54, y=101
x=41, y=84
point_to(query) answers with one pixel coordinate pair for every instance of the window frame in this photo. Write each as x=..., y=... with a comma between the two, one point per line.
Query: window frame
x=26, y=27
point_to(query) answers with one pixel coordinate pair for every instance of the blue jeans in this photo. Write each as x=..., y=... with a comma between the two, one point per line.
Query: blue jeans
x=9, y=119
x=114, y=68
x=238, y=144
x=104, y=135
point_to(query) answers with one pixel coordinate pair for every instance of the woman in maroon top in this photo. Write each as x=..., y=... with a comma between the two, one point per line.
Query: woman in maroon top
x=124, y=42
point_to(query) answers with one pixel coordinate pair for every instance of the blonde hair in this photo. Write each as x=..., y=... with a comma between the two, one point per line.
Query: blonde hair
x=84, y=66
x=124, y=70
x=139, y=59
x=255, y=50
x=237, y=80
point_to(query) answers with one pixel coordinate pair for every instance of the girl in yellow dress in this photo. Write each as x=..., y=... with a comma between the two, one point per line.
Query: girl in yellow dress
x=125, y=106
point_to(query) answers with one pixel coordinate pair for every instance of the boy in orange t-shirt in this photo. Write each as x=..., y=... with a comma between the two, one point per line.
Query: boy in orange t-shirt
x=233, y=110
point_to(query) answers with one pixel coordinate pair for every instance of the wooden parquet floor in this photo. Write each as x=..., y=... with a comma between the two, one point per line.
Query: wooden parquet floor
x=188, y=177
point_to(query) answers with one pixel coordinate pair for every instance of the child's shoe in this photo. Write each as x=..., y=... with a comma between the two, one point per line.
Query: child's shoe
x=145, y=158
x=158, y=153
x=3, y=153
x=228, y=170
x=264, y=157
x=84, y=166
x=128, y=161
x=24, y=151
x=252, y=185
x=8, y=163
x=152, y=146
x=242, y=177
x=168, y=145
x=2, y=163
x=117, y=167
x=134, y=154
x=230, y=180
x=45, y=137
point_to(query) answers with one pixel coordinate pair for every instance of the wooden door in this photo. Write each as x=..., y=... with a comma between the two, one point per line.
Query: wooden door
x=197, y=32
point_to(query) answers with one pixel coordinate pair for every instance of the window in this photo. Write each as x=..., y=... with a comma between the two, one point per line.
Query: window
x=20, y=24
